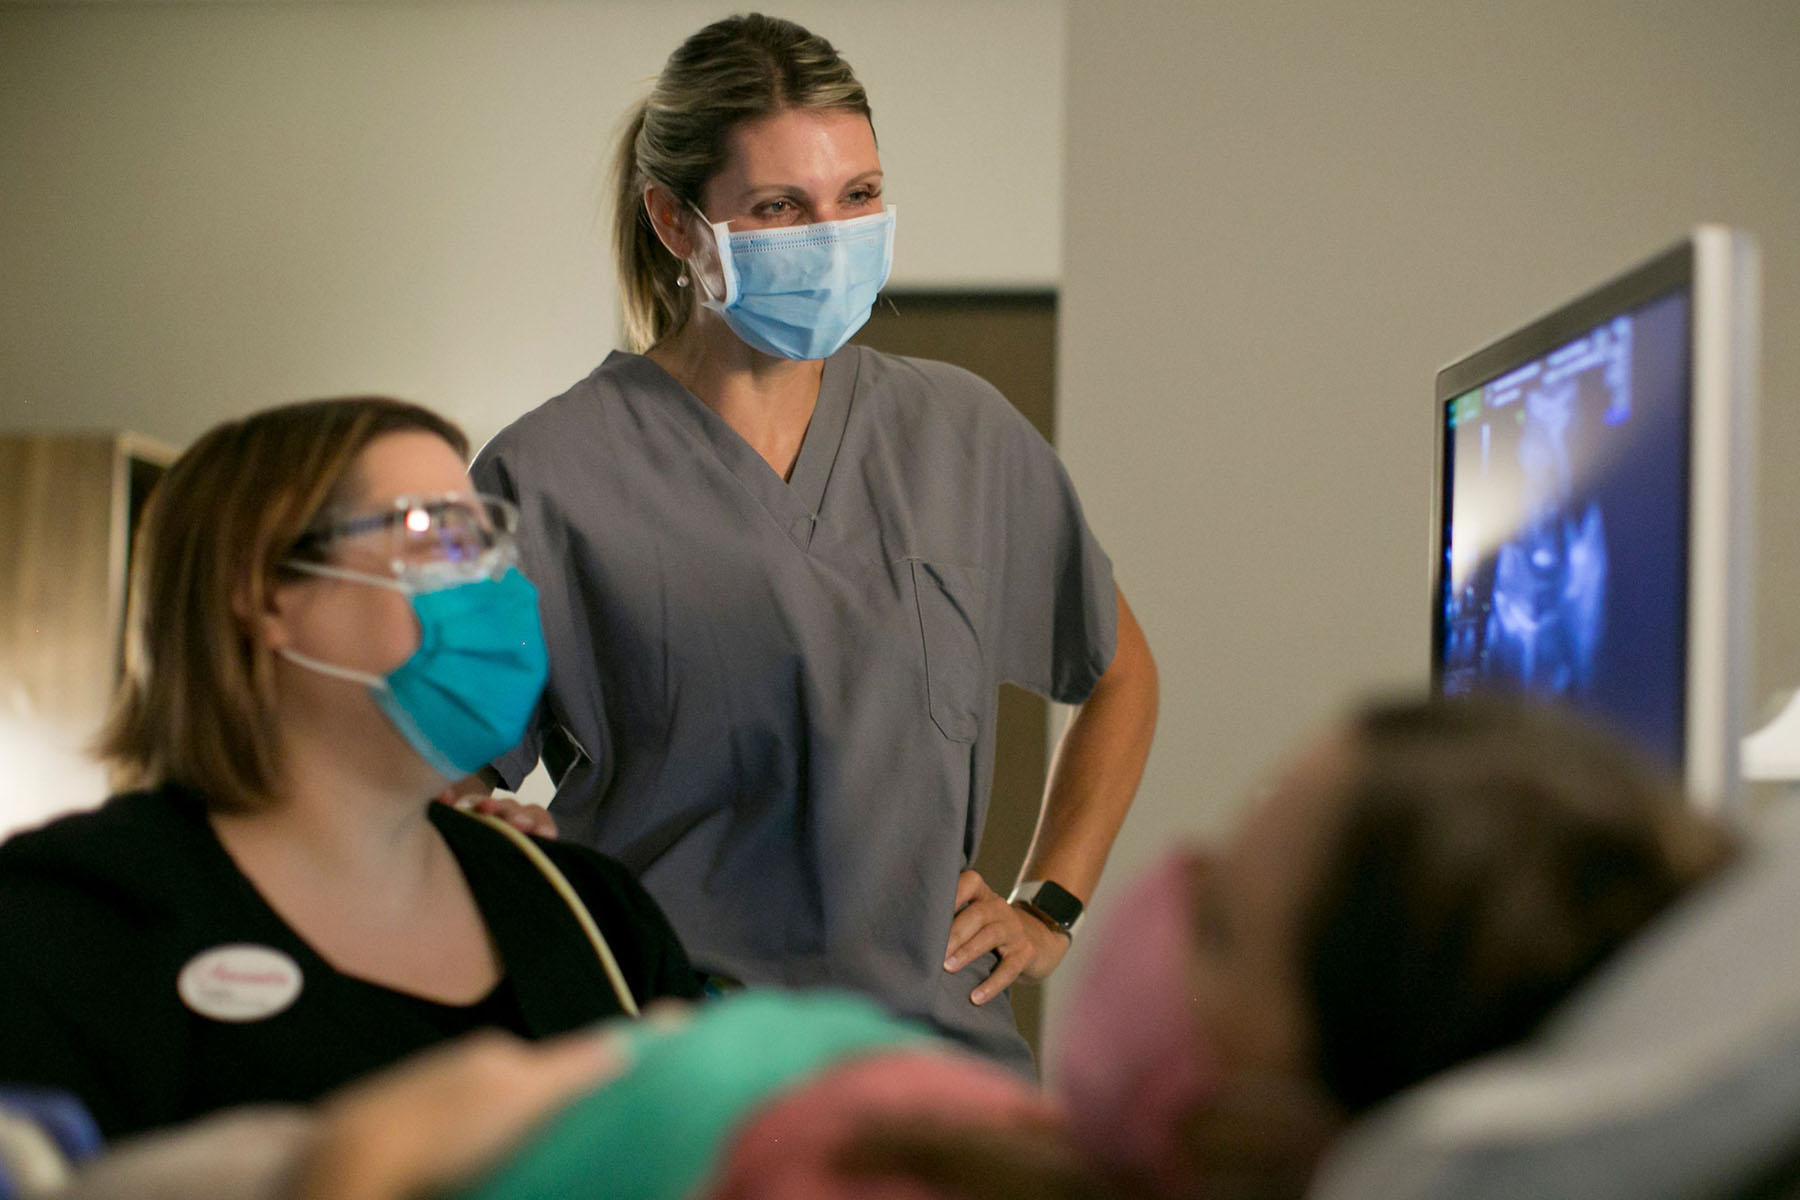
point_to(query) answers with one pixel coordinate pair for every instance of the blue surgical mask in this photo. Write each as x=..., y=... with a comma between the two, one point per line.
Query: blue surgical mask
x=799, y=292
x=467, y=693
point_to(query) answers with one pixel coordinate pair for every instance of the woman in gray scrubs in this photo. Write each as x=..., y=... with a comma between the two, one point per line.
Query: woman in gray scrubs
x=783, y=577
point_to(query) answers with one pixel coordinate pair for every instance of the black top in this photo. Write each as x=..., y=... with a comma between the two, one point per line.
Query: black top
x=100, y=912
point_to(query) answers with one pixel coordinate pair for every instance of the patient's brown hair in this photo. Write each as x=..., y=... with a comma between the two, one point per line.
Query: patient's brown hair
x=196, y=704
x=1489, y=856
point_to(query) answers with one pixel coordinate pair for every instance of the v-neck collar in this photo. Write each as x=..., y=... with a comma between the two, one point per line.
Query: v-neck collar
x=792, y=503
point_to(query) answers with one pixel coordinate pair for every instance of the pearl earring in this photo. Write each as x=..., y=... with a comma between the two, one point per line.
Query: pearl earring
x=681, y=280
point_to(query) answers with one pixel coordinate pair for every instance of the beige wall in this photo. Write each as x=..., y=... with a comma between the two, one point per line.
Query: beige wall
x=211, y=207
x=1282, y=218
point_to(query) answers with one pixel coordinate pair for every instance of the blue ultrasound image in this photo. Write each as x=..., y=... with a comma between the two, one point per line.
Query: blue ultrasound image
x=1565, y=545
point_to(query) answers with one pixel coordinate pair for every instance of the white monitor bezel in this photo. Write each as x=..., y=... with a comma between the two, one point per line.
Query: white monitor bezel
x=1721, y=270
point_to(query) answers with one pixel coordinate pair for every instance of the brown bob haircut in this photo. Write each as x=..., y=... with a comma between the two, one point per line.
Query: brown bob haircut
x=196, y=706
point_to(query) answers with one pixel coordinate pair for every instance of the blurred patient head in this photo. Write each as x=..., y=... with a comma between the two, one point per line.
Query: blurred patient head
x=1420, y=886
x=207, y=701
x=1486, y=857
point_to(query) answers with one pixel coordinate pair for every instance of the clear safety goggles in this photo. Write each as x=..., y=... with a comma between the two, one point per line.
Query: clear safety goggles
x=448, y=535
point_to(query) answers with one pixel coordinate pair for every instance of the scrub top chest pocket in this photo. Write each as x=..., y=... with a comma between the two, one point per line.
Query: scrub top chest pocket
x=949, y=606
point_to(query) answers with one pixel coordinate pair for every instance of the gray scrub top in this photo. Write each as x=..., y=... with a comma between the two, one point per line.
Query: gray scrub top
x=775, y=699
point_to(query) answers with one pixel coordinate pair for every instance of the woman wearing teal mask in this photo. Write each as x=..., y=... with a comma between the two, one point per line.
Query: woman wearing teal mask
x=328, y=627
x=784, y=575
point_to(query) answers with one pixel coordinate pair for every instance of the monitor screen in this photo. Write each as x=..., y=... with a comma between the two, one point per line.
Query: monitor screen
x=1591, y=529
x=1566, y=525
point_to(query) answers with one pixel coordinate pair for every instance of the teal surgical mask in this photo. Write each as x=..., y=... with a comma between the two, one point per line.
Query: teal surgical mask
x=801, y=291
x=467, y=693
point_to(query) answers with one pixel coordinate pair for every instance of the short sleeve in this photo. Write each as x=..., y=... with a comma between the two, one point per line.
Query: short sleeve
x=1057, y=620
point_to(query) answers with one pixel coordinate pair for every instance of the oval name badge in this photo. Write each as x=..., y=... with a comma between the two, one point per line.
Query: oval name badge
x=239, y=982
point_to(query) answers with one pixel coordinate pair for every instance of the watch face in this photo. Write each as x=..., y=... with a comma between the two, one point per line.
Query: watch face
x=1057, y=903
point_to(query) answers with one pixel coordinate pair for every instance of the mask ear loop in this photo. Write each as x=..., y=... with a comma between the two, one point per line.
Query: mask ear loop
x=333, y=670
x=327, y=571
x=721, y=236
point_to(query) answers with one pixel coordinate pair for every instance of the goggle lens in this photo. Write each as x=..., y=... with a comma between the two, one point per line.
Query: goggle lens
x=430, y=532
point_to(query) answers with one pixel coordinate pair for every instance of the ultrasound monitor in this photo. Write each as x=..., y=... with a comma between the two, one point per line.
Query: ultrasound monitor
x=1591, y=534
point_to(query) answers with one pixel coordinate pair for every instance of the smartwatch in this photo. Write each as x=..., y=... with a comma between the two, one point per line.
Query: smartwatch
x=1050, y=903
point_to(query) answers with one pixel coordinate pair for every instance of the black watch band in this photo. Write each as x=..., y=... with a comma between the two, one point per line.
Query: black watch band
x=1050, y=903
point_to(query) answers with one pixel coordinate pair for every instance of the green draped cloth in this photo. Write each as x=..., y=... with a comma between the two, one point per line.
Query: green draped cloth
x=656, y=1132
